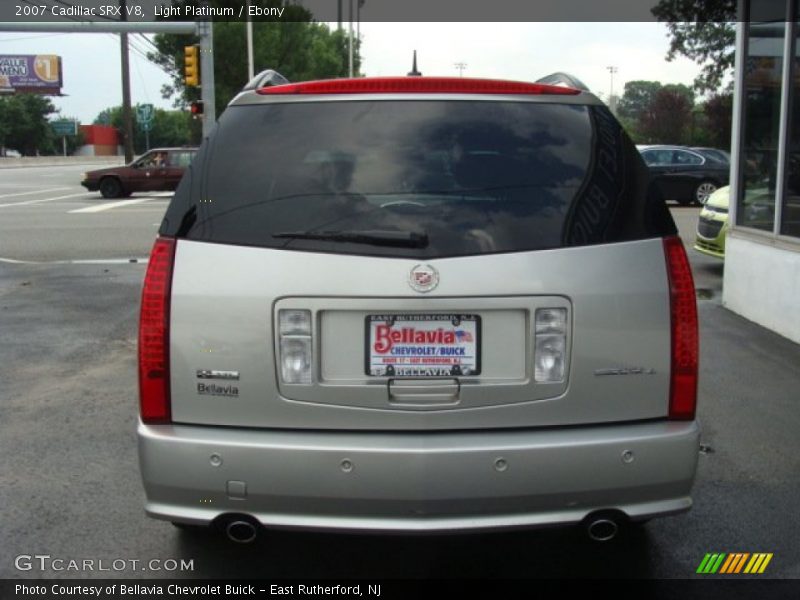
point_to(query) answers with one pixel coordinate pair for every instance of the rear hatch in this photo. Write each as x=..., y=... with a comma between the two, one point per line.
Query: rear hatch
x=416, y=263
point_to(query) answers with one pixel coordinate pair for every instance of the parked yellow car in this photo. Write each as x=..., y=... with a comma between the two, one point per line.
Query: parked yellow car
x=713, y=224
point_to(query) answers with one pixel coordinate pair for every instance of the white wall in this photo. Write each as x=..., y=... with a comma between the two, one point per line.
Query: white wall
x=762, y=283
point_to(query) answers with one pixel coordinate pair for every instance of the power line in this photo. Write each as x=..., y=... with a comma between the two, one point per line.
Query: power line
x=157, y=49
x=34, y=37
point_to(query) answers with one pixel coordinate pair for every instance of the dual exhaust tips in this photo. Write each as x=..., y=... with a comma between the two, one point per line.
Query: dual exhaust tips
x=599, y=528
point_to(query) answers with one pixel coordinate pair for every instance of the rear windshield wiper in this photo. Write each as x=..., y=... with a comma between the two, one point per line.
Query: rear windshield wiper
x=406, y=239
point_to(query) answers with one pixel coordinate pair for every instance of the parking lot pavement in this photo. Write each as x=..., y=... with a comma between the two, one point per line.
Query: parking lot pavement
x=69, y=481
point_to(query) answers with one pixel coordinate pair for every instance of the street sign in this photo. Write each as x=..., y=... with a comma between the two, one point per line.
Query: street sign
x=146, y=125
x=144, y=113
x=64, y=127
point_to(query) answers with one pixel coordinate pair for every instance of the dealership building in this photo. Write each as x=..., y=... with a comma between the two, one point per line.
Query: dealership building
x=762, y=248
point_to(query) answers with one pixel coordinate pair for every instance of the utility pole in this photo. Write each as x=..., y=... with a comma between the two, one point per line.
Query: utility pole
x=350, y=44
x=127, y=121
x=358, y=23
x=205, y=29
x=460, y=66
x=249, y=25
x=611, y=103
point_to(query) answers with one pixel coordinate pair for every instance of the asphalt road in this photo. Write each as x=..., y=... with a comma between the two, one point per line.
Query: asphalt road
x=69, y=480
x=45, y=215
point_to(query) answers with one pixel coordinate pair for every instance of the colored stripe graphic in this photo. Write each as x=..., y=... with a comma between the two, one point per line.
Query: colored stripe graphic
x=711, y=563
x=734, y=563
x=758, y=563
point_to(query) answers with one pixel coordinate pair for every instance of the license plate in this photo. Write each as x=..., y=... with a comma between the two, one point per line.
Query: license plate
x=423, y=345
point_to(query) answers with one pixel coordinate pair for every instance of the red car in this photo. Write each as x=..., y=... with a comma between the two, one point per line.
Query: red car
x=159, y=169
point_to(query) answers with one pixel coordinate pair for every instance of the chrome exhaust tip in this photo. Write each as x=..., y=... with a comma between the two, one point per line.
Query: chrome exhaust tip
x=241, y=532
x=602, y=530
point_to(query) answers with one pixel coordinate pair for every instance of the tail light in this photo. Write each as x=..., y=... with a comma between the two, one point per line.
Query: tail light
x=154, y=396
x=683, y=315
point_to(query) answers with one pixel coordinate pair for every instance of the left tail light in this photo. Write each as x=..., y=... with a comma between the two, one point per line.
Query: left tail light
x=154, y=396
x=683, y=314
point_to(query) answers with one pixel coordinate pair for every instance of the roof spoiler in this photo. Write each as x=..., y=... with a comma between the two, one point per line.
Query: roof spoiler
x=563, y=79
x=266, y=78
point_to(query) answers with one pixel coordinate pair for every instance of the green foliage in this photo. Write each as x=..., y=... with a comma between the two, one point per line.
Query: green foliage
x=636, y=98
x=169, y=127
x=24, y=124
x=653, y=113
x=718, y=112
x=296, y=47
x=703, y=31
x=666, y=120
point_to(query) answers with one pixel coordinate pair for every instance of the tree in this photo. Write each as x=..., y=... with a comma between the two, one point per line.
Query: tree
x=703, y=31
x=718, y=111
x=24, y=125
x=667, y=118
x=644, y=102
x=682, y=90
x=169, y=127
x=638, y=95
x=295, y=46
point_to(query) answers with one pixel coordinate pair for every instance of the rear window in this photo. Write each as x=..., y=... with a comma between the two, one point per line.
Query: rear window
x=456, y=177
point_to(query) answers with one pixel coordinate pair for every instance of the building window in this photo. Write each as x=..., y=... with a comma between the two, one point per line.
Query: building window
x=790, y=215
x=762, y=108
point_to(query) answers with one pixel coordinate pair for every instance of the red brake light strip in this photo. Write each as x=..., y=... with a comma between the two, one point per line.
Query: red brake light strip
x=433, y=85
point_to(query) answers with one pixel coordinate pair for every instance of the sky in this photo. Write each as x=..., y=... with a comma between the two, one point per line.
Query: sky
x=522, y=51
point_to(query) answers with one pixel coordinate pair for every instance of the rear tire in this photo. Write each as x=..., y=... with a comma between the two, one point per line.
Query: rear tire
x=110, y=188
x=703, y=190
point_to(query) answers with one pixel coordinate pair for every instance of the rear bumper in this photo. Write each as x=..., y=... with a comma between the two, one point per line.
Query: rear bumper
x=417, y=481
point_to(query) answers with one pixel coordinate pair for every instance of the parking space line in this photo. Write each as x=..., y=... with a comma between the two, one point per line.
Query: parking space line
x=42, y=200
x=39, y=191
x=108, y=206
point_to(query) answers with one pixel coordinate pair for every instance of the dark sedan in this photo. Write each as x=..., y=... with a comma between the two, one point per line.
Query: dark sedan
x=160, y=169
x=683, y=174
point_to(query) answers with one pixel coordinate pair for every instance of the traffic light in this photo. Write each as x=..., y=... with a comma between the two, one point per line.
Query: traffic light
x=196, y=108
x=191, y=65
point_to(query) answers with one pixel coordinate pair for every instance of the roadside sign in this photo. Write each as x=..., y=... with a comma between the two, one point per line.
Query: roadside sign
x=65, y=127
x=146, y=125
x=144, y=113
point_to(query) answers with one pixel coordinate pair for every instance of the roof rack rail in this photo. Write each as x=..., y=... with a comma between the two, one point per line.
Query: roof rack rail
x=266, y=78
x=560, y=78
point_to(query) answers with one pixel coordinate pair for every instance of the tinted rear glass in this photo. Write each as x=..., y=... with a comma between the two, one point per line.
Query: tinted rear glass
x=470, y=177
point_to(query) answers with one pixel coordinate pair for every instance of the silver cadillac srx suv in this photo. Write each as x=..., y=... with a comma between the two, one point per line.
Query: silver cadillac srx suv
x=417, y=304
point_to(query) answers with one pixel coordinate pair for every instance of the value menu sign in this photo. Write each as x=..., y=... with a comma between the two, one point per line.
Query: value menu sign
x=36, y=74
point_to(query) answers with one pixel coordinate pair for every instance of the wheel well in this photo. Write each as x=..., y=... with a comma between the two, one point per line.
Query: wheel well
x=114, y=177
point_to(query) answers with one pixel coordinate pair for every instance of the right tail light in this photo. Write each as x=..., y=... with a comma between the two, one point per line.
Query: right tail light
x=684, y=332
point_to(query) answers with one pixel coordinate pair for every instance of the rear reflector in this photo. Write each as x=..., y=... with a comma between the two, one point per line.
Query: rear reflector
x=683, y=314
x=433, y=85
x=154, y=396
